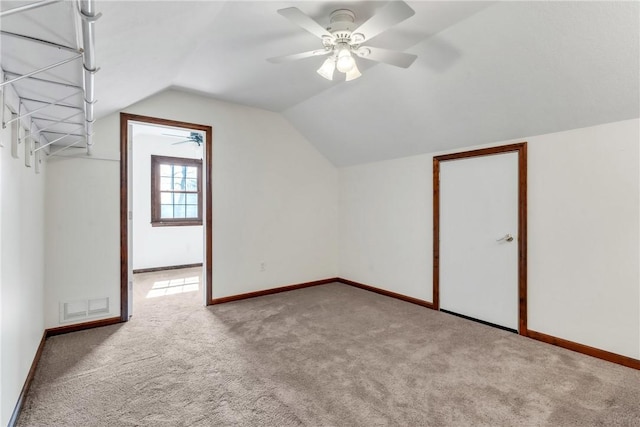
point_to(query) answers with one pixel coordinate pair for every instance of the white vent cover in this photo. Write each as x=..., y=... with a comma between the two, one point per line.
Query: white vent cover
x=83, y=309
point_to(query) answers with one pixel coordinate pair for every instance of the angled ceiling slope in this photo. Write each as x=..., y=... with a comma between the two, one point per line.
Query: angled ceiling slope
x=485, y=71
x=512, y=70
x=220, y=48
x=245, y=34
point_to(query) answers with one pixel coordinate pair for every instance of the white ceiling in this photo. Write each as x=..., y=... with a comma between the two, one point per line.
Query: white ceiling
x=513, y=70
x=485, y=71
x=220, y=48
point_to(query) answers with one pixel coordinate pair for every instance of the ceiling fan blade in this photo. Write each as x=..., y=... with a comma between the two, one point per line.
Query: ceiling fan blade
x=296, y=56
x=391, y=57
x=302, y=20
x=391, y=14
x=173, y=135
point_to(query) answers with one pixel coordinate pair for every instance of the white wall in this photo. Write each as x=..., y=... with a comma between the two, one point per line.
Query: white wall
x=583, y=233
x=3, y=139
x=274, y=201
x=160, y=246
x=583, y=226
x=386, y=225
x=21, y=270
x=82, y=237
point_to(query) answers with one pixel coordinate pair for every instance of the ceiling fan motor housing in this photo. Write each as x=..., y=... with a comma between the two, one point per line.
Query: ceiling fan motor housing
x=342, y=24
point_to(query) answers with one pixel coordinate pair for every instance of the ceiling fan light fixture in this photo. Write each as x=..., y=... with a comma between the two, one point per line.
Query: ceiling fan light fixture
x=342, y=39
x=353, y=73
x=345, y=62
x=357, y=38
x=327, y=68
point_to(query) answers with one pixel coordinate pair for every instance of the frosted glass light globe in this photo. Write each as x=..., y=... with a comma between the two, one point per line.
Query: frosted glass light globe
x=345, y=61
x=327, y=68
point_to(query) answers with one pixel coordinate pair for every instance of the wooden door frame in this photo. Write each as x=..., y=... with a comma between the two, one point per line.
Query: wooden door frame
x=521, y=149
x=125, y=118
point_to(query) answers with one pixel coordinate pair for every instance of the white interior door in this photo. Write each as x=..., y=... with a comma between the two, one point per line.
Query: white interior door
x=478, y=238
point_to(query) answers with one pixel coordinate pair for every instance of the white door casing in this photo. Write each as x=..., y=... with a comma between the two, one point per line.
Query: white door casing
x=478, y=260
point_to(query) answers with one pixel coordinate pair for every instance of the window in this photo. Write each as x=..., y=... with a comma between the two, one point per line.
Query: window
x=176, y=191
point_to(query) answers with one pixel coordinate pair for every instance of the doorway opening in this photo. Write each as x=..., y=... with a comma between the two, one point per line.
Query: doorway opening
x=165, y=209
x=520, y=258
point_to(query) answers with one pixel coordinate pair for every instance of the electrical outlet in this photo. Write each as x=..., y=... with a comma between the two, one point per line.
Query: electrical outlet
x=263, y=266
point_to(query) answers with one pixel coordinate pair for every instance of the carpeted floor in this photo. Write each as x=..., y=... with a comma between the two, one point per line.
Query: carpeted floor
x=330, y=355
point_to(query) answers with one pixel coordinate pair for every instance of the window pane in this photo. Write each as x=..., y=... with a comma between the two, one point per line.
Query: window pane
x=166, y=211
x=178, y=198
x=192, y=211
x=165, y=184
x=178, y=211
x=192, y=172
x=178, y=184
x=179, y=171
x=166, y=198
x=165, y=170
x=192, y=184
x=192, y=199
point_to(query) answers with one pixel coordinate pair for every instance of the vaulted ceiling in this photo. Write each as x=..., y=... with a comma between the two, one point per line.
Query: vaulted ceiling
x=485, y=71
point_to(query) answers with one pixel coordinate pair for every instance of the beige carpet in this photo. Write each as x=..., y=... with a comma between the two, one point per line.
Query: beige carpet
x=330, y=355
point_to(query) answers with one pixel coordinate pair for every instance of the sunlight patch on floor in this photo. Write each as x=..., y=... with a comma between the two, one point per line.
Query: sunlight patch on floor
x=174, y=286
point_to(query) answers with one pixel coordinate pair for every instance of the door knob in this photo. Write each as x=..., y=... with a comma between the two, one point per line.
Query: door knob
x=506, y=238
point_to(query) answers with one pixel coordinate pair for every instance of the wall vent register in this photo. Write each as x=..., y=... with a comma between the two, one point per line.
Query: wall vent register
x=83, y=309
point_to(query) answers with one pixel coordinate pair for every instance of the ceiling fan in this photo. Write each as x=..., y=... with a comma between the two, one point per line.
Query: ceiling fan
x=341, y=40
x=194, y=137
